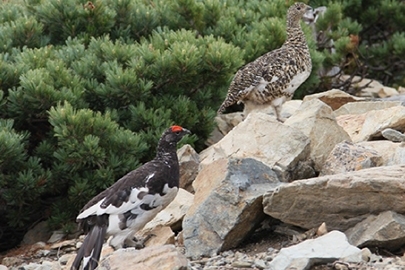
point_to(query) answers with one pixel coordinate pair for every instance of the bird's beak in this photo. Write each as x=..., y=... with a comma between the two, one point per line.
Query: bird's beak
x=186, y=131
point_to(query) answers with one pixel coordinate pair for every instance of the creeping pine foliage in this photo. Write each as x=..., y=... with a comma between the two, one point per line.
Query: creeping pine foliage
x=87, y=87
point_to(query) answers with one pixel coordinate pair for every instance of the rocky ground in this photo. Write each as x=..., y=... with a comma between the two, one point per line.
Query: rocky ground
x=256, y=252
x=323, y=190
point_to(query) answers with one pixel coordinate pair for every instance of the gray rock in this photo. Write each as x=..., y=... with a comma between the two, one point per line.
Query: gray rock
x=39, y=232
x=393, y=135
x=324, y=249
x=267, y=140
x=56, y=236
x=227, y=205
x=340, y=200
x=387, y=230
x=346, y=157
x=189, y=162
x=316, y=120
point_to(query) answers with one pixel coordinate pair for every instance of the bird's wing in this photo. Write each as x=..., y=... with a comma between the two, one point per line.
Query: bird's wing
x=266, y=69
x=128, y=193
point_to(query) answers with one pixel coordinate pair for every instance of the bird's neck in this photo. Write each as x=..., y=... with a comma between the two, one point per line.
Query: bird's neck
x=295, y=35
x=167, y=152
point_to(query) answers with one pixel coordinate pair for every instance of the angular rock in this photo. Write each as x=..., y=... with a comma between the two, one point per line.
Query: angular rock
x=346, y=157
x=365, y=106
x=267, y=140
x=334, y=98
x=173, y=214
x=151, y=258
x=289, y=108
x=386, y=230
x=373, y=123
x=317, y=121
x=56, y=236
x=226, y=122
x=391, y=153
x=189, y=162
x=158, y=236
x=327, y=248
x=340, y=200
x=351, y=123
x=227, y=205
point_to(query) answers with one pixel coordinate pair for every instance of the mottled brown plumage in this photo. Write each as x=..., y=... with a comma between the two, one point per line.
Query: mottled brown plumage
x=272, y=78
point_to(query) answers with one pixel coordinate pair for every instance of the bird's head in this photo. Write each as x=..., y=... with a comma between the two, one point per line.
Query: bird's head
x=174, y=134
x=296, y=12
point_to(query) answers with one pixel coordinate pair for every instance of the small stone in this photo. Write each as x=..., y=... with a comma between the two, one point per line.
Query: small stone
x=3, y=267
x=47, y=265
x=341, y=266
x=261, y=264
x=32, y=266
x=366, y=254
x=79, y=244
x=39, y=244
x=10, y=261
x=64, y=244
x=322, y=229
x=42, y=253
x=393, y=135
x=63, y=260
x=241, y=264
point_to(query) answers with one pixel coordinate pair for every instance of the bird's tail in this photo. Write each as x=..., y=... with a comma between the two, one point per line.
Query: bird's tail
x=90, y=251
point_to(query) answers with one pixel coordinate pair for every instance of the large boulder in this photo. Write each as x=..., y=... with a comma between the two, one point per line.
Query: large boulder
x=263, y=137
x=317, y=121
x=340, y=200
x=227, y=205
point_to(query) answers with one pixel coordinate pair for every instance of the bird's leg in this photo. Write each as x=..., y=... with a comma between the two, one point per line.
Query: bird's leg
x=277, y=110
x=137, y=243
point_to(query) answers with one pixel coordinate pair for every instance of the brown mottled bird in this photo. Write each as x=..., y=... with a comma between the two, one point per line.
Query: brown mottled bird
x=272, y=78
x=131, y=202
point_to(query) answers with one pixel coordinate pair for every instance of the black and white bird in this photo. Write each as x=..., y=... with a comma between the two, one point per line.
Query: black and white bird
x=272, y=79
x=131, y=202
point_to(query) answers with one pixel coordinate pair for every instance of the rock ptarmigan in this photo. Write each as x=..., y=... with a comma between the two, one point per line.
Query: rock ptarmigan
x=272, y=78
x=131, y=202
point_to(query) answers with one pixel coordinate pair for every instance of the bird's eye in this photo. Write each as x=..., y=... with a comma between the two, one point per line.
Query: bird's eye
x=177, y=132
x=298, y=8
